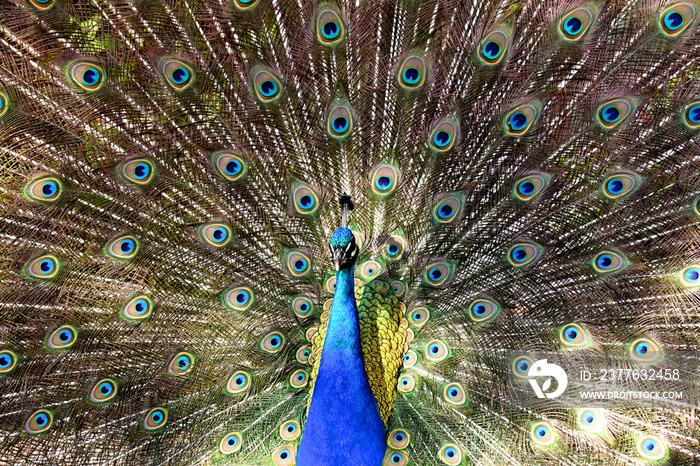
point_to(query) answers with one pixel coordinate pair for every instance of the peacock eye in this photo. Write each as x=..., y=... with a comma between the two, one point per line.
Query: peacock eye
x=574, y=335
x=398, y=288
x=63, y=338
x=231, y=443
x=651, y=447
x=521, y=365
x=483, y=310
x=290, y=430
x=410, y=359
x=123, y=247
x=609, y=262
x=298, y=263
x=46, y=189
x=454, y=394
x=230, y=166
x=520, y=119
x=272, y=342
x=238, y=298
x=406, y=383
x=436, y=351
x=268, y=87
x=397, y=458
x=692, y=115
x=613, y=112
x=103, y=391
x=42, y=4
x=155, y=419
x=678, y=17
x=245, y=4
x=4, y=106
x=299, y=379
x=574, y=25
x=394, y=248
x=181, y=364
x=38, y=422
x=8, y=361
x=450, y=454
x=284, y=456
x=447, y=209
x=371, y=270
x=330, y=27
x=690, y=276
x=542, y=434
x=531, y=186
x=444, y=135
x=238, y=382
x=303, y=353
x=177, y=73
x=398, y=439
x=340, y=121
x=438, y=273
x=412, y=72
x=86, y=75
x=302, y=306
x=590, y=420
x=620, y=185
x=215, y=234
x=522, y=254
x=493, y=47
x=384, y=180
x=138, y=309
x=305, y=199
x=43, y=267
x=645, y=350
x=137, y=171
x=419, y=316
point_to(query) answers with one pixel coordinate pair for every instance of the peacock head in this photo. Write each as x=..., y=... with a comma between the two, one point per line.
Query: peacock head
x=343, y=248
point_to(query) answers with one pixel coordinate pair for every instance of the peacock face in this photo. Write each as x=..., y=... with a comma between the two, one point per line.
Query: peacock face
x=343, y=248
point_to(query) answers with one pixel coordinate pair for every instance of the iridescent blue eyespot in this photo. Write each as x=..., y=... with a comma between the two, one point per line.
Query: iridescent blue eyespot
x=517, y=121
x=610, y=114
x=180, y=75
x=445, y=211
x=673, y=20
x=49, y=189
x=491, y=50
x=340, y=124
x=330, y=30
x=442, y=138
x=141, y=171
x=268, y=88
x=300, y=265
x=411, y=75
x=692, y=115
x=233, y=167
x=588, y=418
x=573, y=25
x=383, y=183
x=91, y=76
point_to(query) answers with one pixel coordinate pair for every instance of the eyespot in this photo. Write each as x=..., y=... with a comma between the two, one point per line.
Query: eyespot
x=103, y=391
x=574, y=335
x=268, y=87
x=397, y=288
x=305, y=199
x=230, y=166
x=215, y=234
x=231, y=443
x=181, y=364
x=42, y=4
x=591, y=420
x=284, y=456
x=395, y=458
x=438, y=273
x=245, y=4
x=302, y=306
x=39, y=421
x=8, y=361
x=419, y=316
x=436, y=351
x=138, y=309
x=574, y=25
x=155, y=419
x=519, y=120
x=3, y=104
x=454, y=394
x=371, y=270
x=123, y=247
x=63, y=338
x=620, y=185
x=444, y=135
x=299, y=379
x=44, y=189
x=177, y=73
x=609, y=262
x=450, y=454
x=394, y=248
x=692, y=115
x=43, y=267
x=384, y=180
x=412, y=72
x=522, y=254
x=238, y=382
x=521, y=365
x=406, y=383
x=410, y=359
x=645, y=350
x=290, y=430
x=543, y=434
x=272, y=343
x=398, y=439
x=690, y=276
x=531, y=186
x=138, y=171
x=238, y=298
x=483, y=310
x=447, y=209
x=298, y=263
x=494, y=46
x=651, y=447
x=676, y=18
x=340, y=122
x=330, y=284
x=303, y=353
x=613, y=112
x=86, y=75
x=330, y=27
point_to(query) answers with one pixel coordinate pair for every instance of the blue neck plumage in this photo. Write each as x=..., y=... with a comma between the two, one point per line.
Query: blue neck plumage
x=344, y=425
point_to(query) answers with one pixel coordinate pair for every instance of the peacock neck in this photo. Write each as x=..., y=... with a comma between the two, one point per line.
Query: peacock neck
x=344, y=425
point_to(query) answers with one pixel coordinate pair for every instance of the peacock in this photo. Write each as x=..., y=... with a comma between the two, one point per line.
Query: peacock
x=338, y=232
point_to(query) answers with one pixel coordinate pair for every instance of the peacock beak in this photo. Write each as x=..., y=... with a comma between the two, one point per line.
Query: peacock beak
x=338, y=257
